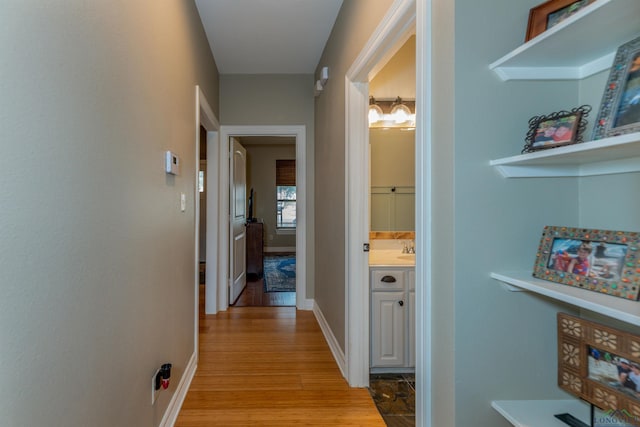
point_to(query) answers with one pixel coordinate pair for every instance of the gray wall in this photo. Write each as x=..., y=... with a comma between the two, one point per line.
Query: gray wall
x=504, y=342
x=96, y=259
x=355, y=23
x=439, y=184
x=270, y=99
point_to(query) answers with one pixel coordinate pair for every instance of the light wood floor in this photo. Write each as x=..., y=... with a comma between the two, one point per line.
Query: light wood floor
x=270, y=366
x=254, y=295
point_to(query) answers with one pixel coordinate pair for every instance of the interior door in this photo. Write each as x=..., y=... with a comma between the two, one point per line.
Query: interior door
x=237, y=253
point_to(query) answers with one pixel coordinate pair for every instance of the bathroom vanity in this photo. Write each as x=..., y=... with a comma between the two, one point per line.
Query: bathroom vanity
x=392, y=314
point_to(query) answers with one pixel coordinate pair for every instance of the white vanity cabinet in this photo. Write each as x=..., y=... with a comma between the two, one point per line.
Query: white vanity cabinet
x=392, y=325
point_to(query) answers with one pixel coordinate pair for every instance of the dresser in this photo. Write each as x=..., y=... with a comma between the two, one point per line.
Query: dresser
x=255, y=240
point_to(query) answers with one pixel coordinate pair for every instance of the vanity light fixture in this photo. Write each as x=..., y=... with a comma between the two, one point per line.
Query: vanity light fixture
x=391, y=113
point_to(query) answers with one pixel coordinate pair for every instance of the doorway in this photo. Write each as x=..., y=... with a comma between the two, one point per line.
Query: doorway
x=299, y=134
x=271, y=221
x=397, y=26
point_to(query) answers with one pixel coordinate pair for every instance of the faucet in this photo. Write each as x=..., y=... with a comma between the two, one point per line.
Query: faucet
x=405, y=249
x=412, y=249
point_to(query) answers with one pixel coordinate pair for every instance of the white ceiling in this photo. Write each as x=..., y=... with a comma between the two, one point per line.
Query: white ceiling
x=267, y=36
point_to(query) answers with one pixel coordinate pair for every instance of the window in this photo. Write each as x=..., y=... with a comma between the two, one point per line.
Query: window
x=286, y=194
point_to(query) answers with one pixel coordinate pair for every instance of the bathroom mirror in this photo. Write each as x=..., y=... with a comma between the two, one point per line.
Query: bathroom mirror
x=392, y=192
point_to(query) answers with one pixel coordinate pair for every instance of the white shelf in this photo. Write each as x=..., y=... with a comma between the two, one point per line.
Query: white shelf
x=578, y=47
x=540, y=413
x=618, y=308
x=618, y=154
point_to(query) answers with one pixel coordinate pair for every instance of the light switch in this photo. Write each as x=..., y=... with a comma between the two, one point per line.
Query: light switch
x=183, y=202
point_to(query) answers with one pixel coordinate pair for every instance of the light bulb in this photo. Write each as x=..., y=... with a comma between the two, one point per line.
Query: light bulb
x=375, y=113
x=400, y=112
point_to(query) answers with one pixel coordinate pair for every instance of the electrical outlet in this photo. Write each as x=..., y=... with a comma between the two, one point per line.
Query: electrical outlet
x=155, y=386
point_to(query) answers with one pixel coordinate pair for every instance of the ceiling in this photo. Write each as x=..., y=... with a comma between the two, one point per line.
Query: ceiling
x=267, y=36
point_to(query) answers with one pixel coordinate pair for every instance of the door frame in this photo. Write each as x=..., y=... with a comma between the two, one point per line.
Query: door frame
x=207, y=119
x=395, y=28
x=299, y=132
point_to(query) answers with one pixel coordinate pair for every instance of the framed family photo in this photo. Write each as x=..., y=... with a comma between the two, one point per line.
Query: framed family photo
x=619, y=112
x=556, y=129
x=550, y=14
x=604, y=261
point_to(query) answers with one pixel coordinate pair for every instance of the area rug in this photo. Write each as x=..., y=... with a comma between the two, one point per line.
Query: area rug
x=280, y=273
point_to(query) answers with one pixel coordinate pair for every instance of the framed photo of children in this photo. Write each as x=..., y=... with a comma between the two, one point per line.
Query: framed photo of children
x=556, y=129
x=620, y=107
x=603, y=261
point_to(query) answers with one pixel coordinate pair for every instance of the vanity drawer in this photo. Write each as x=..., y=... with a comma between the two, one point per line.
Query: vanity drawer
x=387, y=280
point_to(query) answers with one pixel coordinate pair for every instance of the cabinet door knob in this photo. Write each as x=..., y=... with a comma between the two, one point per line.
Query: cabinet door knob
x=388, y=279
x=401, y=303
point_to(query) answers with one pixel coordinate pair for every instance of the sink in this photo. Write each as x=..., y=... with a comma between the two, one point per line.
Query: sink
x=407, y=257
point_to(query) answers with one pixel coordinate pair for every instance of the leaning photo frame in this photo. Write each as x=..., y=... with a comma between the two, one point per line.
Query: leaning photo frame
x=556, y=129
x=600, y=365
x=550, y=13
x=602, y=261
x=619, y=112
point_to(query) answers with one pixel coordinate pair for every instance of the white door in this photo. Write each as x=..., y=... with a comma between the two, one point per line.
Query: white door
x=238, y=202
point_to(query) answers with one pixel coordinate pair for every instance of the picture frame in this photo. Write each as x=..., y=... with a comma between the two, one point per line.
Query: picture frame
x=550, y=13
x=556, y=129
x=604, y=261
x=619, y=111
x=600, y=365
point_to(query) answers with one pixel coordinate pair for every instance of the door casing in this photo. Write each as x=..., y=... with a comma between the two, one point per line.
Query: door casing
x=393, y=31
x=207, y=119
x=299, y=132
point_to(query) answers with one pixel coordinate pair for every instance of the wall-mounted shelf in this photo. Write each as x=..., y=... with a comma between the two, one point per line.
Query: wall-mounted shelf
x=618, y=308
x=540, y=413
x=618, y=154
x=575, y=48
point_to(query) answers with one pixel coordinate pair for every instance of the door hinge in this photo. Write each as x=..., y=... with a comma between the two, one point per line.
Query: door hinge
x=365, y=247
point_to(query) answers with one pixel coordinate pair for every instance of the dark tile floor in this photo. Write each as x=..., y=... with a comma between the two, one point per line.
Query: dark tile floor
x=395, y=397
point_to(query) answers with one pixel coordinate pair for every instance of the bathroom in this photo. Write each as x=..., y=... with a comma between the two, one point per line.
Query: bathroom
x=392, y=237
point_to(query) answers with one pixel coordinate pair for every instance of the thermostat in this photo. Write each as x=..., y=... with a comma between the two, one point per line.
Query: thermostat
x=172, y=163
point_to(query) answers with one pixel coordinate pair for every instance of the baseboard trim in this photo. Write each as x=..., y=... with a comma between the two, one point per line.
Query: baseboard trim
x=337, y=352
x=308, y=304
x=171, y=414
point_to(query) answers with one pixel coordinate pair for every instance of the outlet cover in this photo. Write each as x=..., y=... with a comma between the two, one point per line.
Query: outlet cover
x=154, y=391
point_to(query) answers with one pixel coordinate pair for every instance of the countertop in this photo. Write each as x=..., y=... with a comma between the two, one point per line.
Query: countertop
x=391, y=258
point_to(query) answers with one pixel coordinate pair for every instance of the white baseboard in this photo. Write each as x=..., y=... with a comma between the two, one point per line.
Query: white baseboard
x=337, y=352
x=171, y=414
x=308, y=304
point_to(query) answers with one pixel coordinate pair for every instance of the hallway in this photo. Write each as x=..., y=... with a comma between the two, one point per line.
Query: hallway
x=270, y=366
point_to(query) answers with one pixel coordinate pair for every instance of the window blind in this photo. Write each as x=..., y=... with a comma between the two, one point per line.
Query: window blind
x=286, y=172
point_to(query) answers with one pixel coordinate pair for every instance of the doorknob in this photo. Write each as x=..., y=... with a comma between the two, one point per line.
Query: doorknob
x=401, y=303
